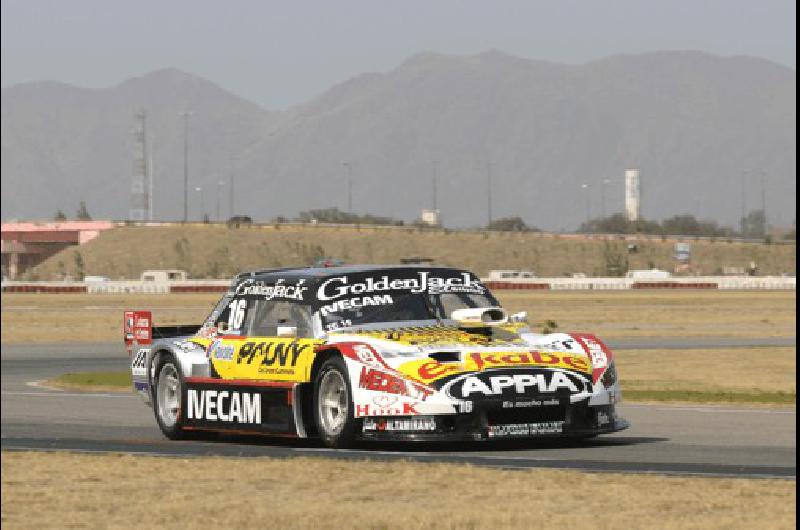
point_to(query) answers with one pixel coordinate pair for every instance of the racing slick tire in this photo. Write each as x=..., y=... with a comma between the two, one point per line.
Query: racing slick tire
x=167, y=398
x=333, y=404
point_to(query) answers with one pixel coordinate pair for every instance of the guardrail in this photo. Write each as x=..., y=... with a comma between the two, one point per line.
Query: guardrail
x=571, y=284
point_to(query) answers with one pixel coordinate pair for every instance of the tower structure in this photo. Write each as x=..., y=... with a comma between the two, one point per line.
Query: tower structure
x=141, y=185
x=632, y=194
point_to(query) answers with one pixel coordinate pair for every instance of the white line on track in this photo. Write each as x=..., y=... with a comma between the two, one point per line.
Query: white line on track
x=425, y=454
x=40, y=385
x=682, y=408
x=64, y=394
x=161, y=454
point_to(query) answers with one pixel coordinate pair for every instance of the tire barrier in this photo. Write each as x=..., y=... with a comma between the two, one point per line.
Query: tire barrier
x=673, y=285
x=198, y=288
x=515, y=285
x=37, y=288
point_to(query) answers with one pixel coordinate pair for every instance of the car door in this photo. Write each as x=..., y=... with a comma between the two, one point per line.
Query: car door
x=268, y=340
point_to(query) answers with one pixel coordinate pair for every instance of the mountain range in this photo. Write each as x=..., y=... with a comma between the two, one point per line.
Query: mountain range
x=701, y=128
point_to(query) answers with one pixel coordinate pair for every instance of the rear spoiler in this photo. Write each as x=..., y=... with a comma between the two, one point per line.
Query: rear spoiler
x=138, y=330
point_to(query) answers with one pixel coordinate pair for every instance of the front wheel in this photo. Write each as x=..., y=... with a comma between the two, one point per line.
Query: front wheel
x=333, y=404
x=167, y=399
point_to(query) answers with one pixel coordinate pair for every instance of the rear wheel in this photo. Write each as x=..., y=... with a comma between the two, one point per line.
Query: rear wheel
x=333, y=404
x=167, y=397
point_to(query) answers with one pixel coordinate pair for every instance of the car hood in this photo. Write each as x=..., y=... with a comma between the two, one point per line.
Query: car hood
x=432, y=354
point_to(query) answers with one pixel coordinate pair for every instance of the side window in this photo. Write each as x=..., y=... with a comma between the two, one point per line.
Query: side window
x=219, y=313
x=266, y=315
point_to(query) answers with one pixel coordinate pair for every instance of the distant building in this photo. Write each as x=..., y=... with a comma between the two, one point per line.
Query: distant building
x=632, y=194
x=430, y=218
x=25, y=245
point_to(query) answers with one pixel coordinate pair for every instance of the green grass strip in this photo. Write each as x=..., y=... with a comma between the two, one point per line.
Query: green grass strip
x=90, y=379
x=699, y=396
x=123, y=379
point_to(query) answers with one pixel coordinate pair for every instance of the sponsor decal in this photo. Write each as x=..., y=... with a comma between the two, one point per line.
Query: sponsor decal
x=433, y=369
x=366, y=355
x=379, y=381
x=533, y=358
x=224, y=406
x=138, y=367
x=511, y=384
x=207, y=332
x=272, y=357
x=396, y=409
x=526, y=429
x=136, y=329
x=343, y=323
x=221, y=351
x=340, y=287
x=429, y=370
x=599, y=359
x=560, y=345
x=552, y=402
x=356, y=303
x=269, y=292
x=185, y=345
x=424, y=423
x=384, y=400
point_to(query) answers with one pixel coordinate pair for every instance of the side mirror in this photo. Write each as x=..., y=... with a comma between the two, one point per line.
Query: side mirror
x=287, y=331
x=522, y=317
x=222, y=327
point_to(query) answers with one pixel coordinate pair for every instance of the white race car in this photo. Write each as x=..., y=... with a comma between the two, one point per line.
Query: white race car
x=370, y=353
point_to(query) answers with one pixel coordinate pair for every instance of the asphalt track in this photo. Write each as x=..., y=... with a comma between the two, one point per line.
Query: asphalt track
x=690, y=440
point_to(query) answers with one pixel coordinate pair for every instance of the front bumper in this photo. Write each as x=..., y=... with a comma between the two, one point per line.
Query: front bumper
x=578, y=421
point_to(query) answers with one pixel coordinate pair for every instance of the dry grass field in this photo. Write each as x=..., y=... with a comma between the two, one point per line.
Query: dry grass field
x=41, y=318
x=709, y=370
x=662, y=313
x=62, y=490
x=218, y=251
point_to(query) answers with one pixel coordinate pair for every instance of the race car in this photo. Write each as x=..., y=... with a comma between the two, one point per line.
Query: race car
x=356, y=353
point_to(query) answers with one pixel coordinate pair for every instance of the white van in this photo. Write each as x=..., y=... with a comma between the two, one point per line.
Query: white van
x=173, y=275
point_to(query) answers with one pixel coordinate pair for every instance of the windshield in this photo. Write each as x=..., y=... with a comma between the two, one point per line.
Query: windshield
x=402, y=307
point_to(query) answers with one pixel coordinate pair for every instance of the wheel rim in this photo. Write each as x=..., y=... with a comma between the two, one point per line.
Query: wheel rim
x=169, y=395
x=333, y=402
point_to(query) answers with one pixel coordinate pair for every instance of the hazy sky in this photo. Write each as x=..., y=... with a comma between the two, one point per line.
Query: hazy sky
x=282, y=53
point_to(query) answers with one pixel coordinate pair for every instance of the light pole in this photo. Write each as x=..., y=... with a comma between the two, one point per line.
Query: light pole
x=219, y=193
x=764, y=199
x=202, y=201
x=435, y=184
x=603, y=197
x=232, y=188
x=585, y=187
x=489, y=191
x=744, y=201
x=349, y=169
x=186, y=115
